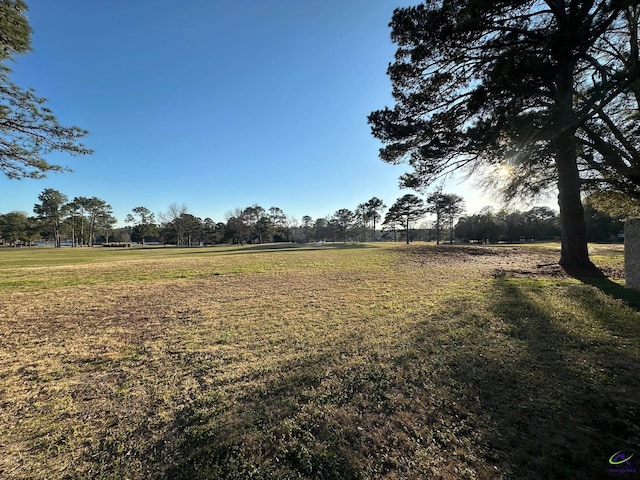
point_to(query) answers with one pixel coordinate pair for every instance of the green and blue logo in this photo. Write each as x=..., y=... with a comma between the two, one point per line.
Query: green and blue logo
x=619, y=463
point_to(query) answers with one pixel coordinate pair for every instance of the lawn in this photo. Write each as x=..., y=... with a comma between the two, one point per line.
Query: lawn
x=329, y=362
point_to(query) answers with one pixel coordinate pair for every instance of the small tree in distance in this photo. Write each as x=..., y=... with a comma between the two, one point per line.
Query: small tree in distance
x=374, y=206
x=307, y=226
x=437, y=203
x=50, y=210
x=343, y=220
x=406, y=210
x=144, y=222
x=454, y=206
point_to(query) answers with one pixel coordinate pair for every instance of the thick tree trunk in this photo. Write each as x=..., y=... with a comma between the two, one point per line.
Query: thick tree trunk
x=574, y=252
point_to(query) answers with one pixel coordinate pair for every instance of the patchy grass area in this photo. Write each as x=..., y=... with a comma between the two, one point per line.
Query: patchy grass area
x=345, y=362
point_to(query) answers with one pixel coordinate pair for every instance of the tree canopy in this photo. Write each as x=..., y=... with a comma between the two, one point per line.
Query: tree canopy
x=28, y=129
x=406, y=210
x=549, y=89
x=144, y=223
x=445, y=206
x=51, y=211
x=373, y=207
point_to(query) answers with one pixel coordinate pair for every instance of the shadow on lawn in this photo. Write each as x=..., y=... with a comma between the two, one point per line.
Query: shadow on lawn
x=561, y=404
x=533, y=394
x=275, y=431
x=290, y=247
x=270, y=247
x=347, y=414
x=609, y=287
x=535, y=399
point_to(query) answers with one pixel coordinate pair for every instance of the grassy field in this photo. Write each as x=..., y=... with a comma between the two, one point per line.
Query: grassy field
x=336, y=362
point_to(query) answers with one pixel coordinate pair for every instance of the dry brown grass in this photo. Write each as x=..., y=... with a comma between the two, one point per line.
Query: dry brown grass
x=372, y=362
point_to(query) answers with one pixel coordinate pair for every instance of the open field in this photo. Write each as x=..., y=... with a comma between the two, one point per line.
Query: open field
x=336, y=362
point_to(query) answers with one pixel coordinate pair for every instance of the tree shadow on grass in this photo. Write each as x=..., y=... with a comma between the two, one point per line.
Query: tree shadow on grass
x=525, y=388
x=295, y=247
x=270, y=248
x=527, y=392
x=347, y=414
x=273, y=429
x=558, y=402
x=608, y=287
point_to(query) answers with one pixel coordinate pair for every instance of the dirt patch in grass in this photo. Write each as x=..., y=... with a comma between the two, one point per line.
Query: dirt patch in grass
x=378, y=362
x=506, y=256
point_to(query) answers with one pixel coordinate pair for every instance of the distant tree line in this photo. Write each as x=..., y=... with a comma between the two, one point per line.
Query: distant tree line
x=87, y=221
x=536, y=224
x=82, y=221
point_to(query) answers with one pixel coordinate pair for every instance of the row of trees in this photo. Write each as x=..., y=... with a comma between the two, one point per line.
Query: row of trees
x=254, y=224
x=89, y=220
x=538, y=223
x=80, y=220
x=410, y=208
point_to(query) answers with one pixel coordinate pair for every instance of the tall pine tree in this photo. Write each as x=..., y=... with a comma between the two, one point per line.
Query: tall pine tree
x=550, y=88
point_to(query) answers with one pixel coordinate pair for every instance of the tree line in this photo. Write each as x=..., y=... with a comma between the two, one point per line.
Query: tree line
x=81, y=221
x=87, y=221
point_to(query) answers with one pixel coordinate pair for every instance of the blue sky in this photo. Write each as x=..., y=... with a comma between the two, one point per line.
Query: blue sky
x=216, y=104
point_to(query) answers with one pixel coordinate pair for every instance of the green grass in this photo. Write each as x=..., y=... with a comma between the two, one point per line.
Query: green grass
x=357, y=361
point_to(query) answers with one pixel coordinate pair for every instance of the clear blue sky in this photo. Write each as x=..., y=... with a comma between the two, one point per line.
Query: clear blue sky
x=216, y=104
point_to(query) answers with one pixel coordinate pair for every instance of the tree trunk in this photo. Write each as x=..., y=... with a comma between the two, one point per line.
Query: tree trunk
x=92, y=230
x=574, y=253
x=407, y=231
x=451, y=231
x=73, y=231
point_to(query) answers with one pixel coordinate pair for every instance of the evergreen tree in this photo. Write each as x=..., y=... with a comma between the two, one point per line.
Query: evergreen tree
x=549, y=87
x=406, y=210
x=28, y=129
